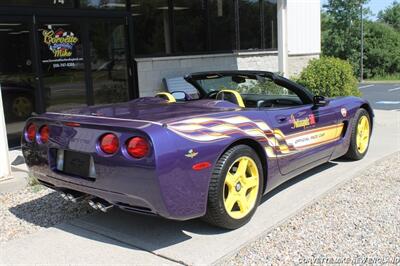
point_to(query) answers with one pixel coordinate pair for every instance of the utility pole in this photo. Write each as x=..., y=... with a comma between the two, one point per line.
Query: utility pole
x=362, y=44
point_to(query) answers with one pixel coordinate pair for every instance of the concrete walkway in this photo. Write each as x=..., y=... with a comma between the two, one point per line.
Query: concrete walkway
x=121, y=237
x=68, y=245
x=19, y=174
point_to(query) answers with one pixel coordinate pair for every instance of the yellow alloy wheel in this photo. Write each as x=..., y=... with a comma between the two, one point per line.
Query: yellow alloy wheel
x=363, y=132
x=241, y=187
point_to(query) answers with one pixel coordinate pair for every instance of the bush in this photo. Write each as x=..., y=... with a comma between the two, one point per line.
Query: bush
x=330, y=77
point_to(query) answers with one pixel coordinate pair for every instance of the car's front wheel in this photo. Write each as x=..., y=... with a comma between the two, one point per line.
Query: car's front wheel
x=360, y=135
x=235, y=188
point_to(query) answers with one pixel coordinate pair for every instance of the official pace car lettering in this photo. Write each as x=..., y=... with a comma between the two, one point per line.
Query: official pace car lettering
x=210, y=129
x=315, y=137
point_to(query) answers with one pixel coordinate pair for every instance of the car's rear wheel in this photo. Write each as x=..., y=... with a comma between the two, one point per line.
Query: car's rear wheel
x=235, y=188
x=360, y=136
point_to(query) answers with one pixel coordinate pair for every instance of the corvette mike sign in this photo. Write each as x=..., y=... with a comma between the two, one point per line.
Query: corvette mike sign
x=63, y=47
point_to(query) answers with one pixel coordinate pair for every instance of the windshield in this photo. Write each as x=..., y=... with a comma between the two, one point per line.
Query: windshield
x=244, y=84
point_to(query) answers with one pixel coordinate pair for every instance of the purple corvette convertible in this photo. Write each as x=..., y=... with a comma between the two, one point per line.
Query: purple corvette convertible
x=210, y=154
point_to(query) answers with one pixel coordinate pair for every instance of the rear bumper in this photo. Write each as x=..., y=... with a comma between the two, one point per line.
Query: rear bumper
x=129, y=188
x=150, y=204
x=126, y=202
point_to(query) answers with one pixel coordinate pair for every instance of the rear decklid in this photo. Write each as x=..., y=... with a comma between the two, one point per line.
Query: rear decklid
x=147, y=110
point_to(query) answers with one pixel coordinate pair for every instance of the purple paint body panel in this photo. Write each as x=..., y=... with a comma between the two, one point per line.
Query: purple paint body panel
x=289, y=141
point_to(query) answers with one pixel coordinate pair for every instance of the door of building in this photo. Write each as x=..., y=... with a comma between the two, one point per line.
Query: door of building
x=82, y=61
x=19, y=87
x=57, y=63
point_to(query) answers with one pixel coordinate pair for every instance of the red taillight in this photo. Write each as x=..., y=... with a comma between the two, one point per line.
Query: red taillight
x=44, y=132
x=137, y=147
x=30, y=133
x=109, y=143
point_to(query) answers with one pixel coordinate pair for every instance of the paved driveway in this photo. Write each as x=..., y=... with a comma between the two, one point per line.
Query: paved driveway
x=120, y=237
x=382, y=96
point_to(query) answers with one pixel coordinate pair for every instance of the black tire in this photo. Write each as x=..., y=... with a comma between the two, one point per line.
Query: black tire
x=353, y=152
x=216, y=213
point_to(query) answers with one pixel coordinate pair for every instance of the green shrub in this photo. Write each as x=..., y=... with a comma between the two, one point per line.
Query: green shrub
x=330, y=77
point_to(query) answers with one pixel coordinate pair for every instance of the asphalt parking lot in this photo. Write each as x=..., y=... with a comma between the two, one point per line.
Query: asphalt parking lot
x=119, y=237
x=382, y=96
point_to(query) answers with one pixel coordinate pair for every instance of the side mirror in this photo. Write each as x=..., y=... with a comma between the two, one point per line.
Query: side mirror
x=179, y=95
x=320, y=100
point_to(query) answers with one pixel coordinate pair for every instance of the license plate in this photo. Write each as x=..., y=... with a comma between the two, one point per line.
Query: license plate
x=75, y=163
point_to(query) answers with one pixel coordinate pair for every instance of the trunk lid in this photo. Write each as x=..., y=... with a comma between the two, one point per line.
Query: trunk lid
x=147, y=109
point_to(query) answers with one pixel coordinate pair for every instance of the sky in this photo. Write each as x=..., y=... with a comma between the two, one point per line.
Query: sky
x=374, y=5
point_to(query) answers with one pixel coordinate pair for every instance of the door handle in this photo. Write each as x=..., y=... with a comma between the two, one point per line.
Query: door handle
x=281, y=119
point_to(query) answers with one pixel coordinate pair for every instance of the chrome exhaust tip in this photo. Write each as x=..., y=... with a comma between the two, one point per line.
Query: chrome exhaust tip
x=75, y=199
x=100, y=204
x=93, y=204
x=64, y=196
x=104, y=208
x=72, y=196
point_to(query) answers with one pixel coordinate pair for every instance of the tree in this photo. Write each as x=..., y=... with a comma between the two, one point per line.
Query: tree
x=341, y=25
x=391, y=15
x=382, y=49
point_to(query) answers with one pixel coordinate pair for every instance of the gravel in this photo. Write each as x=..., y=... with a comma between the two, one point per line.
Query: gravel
x=35, y=208
x=357, y=223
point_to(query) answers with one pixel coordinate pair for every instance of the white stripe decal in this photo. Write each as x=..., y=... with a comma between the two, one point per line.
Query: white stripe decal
x=105, y=117
x=278, y=144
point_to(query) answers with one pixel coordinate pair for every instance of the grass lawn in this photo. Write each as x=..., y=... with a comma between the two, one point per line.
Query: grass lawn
x=392, y=78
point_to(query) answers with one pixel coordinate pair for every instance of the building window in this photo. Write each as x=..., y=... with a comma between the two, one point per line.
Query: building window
x=62, y=60
x=221, y=25
x=108, y=61
x=151, y=27
x=190, y=25
x=40, y=3
x=249, y=24
x=270, y=24
x=107, y=4
x=195, y=26
x=17, y=77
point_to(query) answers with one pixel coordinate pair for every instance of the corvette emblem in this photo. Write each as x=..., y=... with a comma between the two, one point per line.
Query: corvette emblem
x=344, y=112
x=191, y=153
